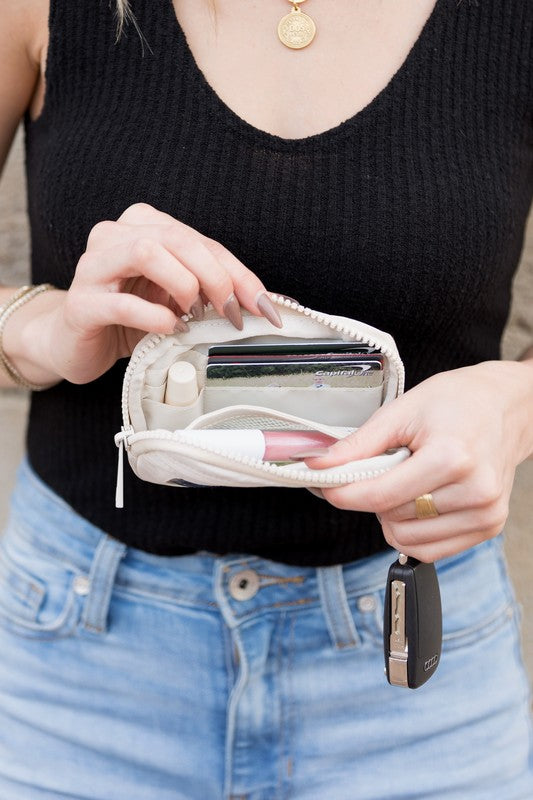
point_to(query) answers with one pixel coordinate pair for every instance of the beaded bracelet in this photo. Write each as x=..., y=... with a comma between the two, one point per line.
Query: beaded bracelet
x=23, y=295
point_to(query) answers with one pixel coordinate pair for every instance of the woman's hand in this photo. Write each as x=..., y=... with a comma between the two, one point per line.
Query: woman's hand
x=468, y=429
x=139, y=274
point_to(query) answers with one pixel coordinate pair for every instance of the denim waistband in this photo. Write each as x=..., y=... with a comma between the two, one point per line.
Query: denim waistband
x=200, y=579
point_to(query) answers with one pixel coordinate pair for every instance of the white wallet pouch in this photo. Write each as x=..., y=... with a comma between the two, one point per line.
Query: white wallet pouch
x=155, y=435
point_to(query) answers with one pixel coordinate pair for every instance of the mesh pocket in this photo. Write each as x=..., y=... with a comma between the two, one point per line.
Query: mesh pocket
x=259, y=420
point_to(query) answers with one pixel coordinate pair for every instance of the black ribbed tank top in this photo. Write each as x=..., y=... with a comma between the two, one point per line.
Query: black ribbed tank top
x=410, y=216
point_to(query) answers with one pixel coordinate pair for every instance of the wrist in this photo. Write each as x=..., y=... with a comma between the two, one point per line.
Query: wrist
x=25, y=339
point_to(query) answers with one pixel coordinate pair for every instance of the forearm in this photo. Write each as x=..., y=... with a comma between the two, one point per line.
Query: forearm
x=26, y=338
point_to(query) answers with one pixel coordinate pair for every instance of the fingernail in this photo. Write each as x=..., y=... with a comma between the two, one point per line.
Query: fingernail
x=232, y=311
x=316, y=492
x=268, y=309
x=197, y=309
x=180, y=326
x=318, y=451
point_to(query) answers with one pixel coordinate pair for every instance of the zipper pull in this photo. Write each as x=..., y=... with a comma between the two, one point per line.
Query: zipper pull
x=119, y=487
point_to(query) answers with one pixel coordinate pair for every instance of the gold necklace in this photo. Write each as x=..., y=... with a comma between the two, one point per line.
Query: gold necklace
x=296, y=29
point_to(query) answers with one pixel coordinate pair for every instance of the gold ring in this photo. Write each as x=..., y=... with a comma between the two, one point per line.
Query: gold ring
x=425, y=507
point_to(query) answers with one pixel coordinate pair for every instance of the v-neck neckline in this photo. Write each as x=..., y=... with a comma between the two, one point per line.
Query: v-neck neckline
x=321, y=139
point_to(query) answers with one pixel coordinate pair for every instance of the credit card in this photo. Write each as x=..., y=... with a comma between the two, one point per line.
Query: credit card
x=334, y=373
x=259, y=358
x=299, y=346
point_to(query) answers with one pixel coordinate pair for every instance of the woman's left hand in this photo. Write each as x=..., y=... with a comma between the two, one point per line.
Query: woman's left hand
x=467, y=429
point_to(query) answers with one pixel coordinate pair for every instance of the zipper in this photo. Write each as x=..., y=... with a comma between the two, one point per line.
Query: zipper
x=126, y=439
x=127, y=436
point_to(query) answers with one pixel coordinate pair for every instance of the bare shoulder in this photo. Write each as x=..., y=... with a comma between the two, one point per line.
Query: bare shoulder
x=25, y=26
x=23, y=44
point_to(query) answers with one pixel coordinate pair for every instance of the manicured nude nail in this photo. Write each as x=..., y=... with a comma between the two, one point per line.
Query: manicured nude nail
x=180, y=326
x=318, y=451
x=316, y=492
x=232, y=311
x=197, y=309
x=268, y=309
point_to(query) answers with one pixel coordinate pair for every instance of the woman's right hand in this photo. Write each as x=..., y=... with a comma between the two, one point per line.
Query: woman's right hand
x=137, y=275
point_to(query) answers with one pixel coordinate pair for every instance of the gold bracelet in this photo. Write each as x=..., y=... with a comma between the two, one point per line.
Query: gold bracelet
x=23, y=295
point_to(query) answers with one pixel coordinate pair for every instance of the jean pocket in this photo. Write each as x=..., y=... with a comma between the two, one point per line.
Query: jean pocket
x=37, y=597
x=476, y=594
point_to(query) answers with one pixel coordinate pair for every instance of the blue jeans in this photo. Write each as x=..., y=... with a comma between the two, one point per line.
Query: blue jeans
x=129, y=676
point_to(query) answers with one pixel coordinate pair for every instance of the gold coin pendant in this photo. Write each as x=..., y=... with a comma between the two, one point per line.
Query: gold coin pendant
x=296, y=29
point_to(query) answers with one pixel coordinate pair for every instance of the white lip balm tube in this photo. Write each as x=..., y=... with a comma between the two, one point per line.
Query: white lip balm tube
x=182, y=384
x=262, y=445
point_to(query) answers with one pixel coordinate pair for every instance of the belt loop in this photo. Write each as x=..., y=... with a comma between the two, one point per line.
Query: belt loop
x=107, y=557
x=339, y=618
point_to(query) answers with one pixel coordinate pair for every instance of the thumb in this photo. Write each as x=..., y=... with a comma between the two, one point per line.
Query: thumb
x=385, y=430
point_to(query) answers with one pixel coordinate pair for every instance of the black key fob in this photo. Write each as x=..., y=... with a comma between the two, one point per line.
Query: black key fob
x=412, y=625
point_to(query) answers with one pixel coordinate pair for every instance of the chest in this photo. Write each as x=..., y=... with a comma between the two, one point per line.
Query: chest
x=409, y=213
x=357, y=48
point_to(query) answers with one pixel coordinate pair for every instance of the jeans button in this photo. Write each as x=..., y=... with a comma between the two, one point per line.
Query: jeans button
x=367, y=603
x=244, y=585
x=81, y=585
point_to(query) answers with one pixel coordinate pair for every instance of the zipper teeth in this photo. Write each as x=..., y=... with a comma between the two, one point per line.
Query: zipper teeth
x=150, y=344
x=323, y=319
x=353, y=333
x=297, y=475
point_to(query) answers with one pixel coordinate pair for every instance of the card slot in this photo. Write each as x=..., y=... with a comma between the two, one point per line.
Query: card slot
x=338, y=406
